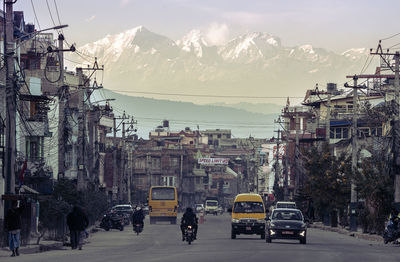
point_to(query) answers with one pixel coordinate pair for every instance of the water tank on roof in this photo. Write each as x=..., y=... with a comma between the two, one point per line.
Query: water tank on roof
x=331, y=87
x=165, y=123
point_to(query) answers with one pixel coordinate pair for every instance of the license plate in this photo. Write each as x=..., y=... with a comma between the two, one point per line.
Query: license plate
x=190, y=231
x=248, y=228
x=287, y=233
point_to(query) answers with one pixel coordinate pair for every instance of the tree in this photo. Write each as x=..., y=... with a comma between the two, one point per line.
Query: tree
x=65, y=195
x=374, y=183
x=327, y=182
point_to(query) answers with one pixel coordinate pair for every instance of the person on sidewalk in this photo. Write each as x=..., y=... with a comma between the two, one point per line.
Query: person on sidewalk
x=12, y=224
x=77, y=222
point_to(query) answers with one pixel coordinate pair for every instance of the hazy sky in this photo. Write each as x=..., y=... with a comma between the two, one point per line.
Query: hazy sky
x=333, y=24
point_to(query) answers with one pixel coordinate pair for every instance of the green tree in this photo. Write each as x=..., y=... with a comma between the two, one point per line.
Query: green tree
x=328, y=179
x=374, y=183
x=65, y=195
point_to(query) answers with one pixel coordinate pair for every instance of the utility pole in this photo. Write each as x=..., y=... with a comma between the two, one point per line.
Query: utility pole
x=297, y=152
x=354, y=151
x=397, y=131
x=396, y=118
x=61, y=111
x=277, y=167
x=328, y=118
x=117, y=177
x=81, y=127
x=286, y=163
x=11, y=102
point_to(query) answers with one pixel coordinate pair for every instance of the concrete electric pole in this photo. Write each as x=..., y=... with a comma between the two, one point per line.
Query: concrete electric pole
x=396, y=118
x=11, y=101
x=354, y=150
x=61, y=114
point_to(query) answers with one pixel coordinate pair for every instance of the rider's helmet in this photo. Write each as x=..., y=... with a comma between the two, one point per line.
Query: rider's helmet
x=189, y=210
x=138, y=208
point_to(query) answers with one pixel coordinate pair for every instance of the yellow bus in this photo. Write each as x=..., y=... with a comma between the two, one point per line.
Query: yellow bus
x=163, y=204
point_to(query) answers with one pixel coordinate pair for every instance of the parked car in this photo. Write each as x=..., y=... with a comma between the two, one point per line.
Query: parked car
x=286, y=223
x=199, y=208
x=146, y=209
x=125, y=210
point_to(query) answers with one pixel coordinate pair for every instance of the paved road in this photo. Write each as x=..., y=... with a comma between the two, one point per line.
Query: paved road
x=162, y=242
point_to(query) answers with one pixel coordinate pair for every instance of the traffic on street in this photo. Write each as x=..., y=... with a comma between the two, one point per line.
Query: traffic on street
x=162, y=242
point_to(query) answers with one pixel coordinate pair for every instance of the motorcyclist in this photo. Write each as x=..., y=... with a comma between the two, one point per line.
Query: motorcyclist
x=138, y=217
x=189, y=218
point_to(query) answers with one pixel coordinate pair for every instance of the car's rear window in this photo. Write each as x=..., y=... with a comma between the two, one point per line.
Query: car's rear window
x=248, y=207
x=286, y=206
x=287, y=215
x=211, y=203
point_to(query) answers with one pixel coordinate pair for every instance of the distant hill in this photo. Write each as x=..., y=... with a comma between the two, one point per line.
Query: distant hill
x=264, y=108
x=150, y=112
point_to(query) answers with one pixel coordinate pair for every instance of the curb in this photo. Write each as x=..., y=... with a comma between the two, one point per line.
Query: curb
x=343, y=231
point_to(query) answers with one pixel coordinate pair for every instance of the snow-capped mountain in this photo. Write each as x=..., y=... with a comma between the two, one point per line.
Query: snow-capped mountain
x=254, y=63
x=193, y=42
x=251, y=47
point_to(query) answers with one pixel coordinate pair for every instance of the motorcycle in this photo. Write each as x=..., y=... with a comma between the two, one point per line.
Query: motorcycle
x=390, y=234
x=138, y=228
x=111, y=222
x=189, y=234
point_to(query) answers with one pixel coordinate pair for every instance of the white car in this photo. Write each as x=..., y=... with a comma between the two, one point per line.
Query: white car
x=199, y=208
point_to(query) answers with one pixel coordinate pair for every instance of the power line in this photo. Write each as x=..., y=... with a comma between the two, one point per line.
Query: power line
x=389, y=37
x=51, y=16
x=199, y=95
x=209, y=122
x=34, y=12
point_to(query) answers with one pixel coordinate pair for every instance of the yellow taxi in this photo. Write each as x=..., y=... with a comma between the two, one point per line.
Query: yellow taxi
x=248, y=215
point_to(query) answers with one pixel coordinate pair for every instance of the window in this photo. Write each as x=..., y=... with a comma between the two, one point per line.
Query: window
x=163, y=194
x=339, y=132
x=248, y=207
x=376, y=131
x=155, y=162
x=140, y=163
x=345, y=132
x=287, y=215
x=363, y=132
x=168, y=180
x=174, y=162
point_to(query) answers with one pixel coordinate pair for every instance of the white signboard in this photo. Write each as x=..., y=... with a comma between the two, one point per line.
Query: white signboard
x=213, y=161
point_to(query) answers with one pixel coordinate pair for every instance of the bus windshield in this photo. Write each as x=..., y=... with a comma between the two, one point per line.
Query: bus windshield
x=248, y=207
x=163, y=194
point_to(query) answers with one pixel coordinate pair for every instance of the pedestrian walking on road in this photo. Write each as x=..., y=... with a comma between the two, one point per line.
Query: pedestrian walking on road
x=12, y=224
x=77, y=222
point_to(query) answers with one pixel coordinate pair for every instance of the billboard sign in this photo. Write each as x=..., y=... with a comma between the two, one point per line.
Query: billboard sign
x=213, y=161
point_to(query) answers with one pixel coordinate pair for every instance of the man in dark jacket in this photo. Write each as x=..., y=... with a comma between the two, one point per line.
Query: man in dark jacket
x=77, y=221
x=189, y=218
x=12, y=224
x=138, y=216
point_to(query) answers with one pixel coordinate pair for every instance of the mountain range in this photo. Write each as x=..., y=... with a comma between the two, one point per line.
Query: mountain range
x=253, y=64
